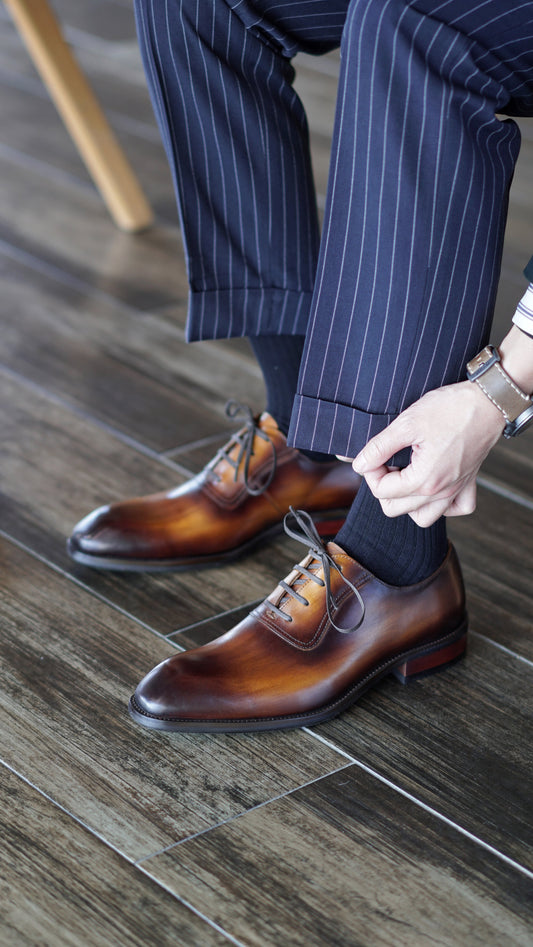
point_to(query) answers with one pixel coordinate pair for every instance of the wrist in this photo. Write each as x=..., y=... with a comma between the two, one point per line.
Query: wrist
x=487, y=372
x=482, y=410
x=516, y=353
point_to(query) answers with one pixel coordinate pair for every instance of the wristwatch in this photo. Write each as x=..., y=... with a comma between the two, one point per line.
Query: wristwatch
x=516, y=406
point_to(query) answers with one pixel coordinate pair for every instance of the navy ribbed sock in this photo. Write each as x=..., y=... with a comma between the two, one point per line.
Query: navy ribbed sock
x=397, y=551
x=279, y=358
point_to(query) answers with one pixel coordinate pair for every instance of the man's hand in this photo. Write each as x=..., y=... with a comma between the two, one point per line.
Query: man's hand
x=450, y=431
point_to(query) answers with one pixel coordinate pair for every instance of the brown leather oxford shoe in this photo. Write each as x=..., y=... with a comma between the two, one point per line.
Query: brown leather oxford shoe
x=324, y=636
x=238, y=500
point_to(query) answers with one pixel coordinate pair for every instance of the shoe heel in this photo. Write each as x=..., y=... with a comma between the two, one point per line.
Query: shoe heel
x=431, y=662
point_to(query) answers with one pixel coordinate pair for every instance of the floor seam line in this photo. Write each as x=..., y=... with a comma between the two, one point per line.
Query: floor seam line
x=196, y=445
x=216, y=617
x=501, y=647
x=120, y=436
x=190, y=906
x=427, y=808
x=240, y=815
x=53, y=271
x=59, y=570
x=493, y=485
x=117, y=851
x=62, y=808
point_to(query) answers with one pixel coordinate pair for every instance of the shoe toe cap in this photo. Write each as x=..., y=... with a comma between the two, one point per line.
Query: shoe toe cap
x=162, y=696
x=96, y=534
x=115, y=532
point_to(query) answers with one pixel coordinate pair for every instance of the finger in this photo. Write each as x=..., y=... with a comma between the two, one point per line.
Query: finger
x=347, y=460
x=374, y=478
x=430, y=513
x=465, y=501
x=387, y=484
x=382, y=447
x=415, y=503
x=403, y=506
x=461, y=504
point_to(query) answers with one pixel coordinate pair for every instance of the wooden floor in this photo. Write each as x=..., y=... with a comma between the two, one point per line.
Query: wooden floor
x=407, y=821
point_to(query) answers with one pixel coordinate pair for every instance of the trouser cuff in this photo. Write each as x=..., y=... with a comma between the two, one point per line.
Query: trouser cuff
x=226, y=313
x=337, y=428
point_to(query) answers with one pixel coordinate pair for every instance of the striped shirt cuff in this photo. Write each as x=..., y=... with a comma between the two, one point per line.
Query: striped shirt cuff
x=523, y=317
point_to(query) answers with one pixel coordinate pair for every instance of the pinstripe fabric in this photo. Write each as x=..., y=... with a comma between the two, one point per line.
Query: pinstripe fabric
x=237, y=141
x=403, y=291
x=417, y=202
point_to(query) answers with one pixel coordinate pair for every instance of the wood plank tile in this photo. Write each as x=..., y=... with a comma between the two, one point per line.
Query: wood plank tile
x=198, y=453
x=62, y=886
x=108, y=21
x=239, y=347
x=459, y=741
x=495, y=546
x=69, y=664
x=68, y=227
x=113, y=68
x=510, y=465
x=316, y=84
x=132, y=370
x=32, y=128
x=57, y=466
x=109, y=56
x=345, y=862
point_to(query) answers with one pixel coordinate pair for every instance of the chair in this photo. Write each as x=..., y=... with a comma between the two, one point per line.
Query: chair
x=81, y=114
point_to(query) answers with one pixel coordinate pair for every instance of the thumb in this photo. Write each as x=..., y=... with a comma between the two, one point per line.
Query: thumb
x=381, y=447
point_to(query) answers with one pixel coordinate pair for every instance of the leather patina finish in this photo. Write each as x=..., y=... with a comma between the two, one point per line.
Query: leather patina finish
x=272, y=671
x=220, y=513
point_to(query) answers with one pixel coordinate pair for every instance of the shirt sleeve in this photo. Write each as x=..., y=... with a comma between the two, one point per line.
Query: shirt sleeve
x=523, y=317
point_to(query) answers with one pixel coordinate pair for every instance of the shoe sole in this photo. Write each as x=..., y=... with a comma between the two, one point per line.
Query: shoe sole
x=411, y=665
x=327, y=525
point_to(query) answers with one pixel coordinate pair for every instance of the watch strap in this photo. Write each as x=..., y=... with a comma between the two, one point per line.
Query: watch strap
x=486, y=370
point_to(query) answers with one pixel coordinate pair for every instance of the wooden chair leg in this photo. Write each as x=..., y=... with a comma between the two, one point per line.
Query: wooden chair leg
x=81, y=114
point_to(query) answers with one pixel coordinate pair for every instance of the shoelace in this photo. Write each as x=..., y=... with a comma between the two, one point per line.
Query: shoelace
x=245, y=440
x=309, y=536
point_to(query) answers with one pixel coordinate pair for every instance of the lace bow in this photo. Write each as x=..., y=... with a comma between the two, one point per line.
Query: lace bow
x=245, y=441
x=309, y=536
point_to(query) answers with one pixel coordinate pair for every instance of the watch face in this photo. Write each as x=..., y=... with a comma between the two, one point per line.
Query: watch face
x=513, y=428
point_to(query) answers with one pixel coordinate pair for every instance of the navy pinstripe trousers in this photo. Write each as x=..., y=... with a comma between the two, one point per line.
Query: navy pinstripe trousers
x=399, y=291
